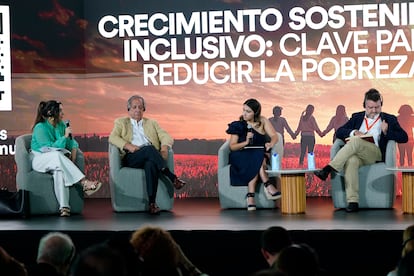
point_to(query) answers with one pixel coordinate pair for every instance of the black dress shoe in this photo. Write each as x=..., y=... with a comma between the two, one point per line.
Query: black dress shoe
x=154, y=209
x=352, y=207
x=322, y=174
x=179, y=183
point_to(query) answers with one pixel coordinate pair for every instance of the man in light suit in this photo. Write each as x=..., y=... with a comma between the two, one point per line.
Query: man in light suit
x=358, y=152
x=144, y=144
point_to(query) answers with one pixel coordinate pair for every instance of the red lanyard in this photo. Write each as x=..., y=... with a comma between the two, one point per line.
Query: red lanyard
x=370, y=126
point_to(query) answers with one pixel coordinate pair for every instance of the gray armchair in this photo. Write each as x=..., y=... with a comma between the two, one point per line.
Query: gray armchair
x=42, y=199
x=128, y=189
x=376, y=183
x=235, y=196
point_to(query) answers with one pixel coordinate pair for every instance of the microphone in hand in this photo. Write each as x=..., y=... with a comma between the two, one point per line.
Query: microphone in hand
x=67, y=122
x=250, y=129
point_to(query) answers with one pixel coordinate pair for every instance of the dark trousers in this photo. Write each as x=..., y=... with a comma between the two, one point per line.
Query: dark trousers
x=306, y=142
x=149, y=159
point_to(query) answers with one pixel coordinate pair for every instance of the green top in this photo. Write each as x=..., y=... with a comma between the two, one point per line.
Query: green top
x=46, y=135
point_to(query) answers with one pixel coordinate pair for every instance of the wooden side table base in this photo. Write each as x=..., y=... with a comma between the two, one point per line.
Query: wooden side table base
x=408, y=192
x=293, y=191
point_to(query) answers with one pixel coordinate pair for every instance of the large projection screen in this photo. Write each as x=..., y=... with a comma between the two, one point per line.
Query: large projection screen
x=195, y=63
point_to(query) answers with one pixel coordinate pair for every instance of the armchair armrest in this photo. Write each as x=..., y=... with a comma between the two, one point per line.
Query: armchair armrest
x=115, y=162
x=80, y=160
x=223, y=155
x=22, y=156
x=337, y=145
x=391, y=154
x=170, y=159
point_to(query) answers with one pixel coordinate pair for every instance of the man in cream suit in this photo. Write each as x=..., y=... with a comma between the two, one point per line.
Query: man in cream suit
x=144, y=144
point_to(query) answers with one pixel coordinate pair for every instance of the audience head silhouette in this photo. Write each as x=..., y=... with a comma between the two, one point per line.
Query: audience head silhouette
x=157, y=249
x=298, y=260
x=99, y=260
x=9, y=266
x=408, y=240
x=273, y=240
x=56, y=249
x=160, y=254
x=120, y=243
x=406, y=265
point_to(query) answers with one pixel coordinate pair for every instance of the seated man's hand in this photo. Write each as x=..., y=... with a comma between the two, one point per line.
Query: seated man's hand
x=130, y=147
x=358, y=133
x=164, y=152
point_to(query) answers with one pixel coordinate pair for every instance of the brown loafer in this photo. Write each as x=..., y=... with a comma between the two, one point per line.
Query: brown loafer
x=154, y=209
x=179, y=183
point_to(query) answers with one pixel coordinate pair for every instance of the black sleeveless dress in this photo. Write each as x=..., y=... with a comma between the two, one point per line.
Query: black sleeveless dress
x=245, y=163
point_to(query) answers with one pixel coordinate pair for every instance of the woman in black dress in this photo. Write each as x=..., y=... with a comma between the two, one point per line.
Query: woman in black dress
x=248, y=150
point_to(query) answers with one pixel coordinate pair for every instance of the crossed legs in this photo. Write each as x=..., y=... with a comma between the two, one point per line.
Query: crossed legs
x=356, y=153
x=149, y=159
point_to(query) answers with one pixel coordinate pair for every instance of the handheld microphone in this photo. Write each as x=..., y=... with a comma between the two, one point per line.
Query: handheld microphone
x=250, y=129
x=67, y=122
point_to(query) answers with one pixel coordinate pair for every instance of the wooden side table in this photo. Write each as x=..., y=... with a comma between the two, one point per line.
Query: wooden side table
x=407, y=188
x=293, y=189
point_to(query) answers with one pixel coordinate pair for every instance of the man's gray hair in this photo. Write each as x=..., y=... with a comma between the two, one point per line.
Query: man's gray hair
x=56, y=248
x=135, y=97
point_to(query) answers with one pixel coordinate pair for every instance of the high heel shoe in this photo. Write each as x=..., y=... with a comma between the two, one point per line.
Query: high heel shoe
x=250, y=207
x=276, y=195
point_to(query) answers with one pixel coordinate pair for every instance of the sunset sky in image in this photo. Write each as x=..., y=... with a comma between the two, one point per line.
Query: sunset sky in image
x=62, y=56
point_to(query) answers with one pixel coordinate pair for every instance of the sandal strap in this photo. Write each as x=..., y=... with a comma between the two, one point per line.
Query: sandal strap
x=89, y=185
x=267, y=184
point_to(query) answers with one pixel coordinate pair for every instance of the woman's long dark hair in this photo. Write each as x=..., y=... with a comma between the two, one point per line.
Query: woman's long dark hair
x=256, y=107
x=47, y=109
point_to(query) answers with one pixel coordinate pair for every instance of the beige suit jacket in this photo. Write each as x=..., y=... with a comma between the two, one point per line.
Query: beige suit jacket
x=122, y=133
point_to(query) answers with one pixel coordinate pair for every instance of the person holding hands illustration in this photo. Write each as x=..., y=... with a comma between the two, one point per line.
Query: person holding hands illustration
x=406, y=119
x=248, y=150
x=359, y=152
x=280, y=123
x=338, y=120
x=307, y=127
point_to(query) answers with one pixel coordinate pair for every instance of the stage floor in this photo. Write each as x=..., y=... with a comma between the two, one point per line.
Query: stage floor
x=205, y=214
x=226, y=242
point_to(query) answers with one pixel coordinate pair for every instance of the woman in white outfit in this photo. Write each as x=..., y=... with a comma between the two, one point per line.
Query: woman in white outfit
x=54, y=150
